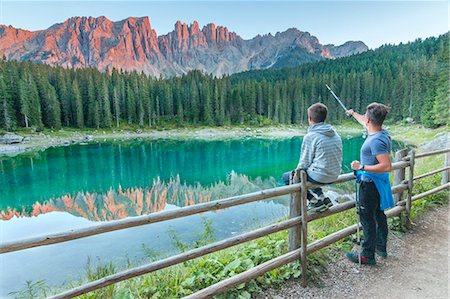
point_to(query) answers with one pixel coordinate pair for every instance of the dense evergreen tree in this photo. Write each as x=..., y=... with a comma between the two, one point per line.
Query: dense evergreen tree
x=411, y=78
x=106, y=118
x=77, y=106
x=7, y=115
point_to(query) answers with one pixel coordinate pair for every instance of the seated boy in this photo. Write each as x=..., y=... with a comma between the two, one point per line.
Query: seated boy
x=321, y=157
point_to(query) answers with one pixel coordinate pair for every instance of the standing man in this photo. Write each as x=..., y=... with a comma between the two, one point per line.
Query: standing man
x=375, y=191
x=321, y=157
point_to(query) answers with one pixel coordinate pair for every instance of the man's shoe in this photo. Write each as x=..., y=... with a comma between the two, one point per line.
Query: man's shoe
x=382, y=253
x=354, y=257
x=328, y=202
x=316, y=207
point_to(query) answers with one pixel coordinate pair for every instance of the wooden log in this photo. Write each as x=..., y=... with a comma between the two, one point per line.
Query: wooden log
x=425, y=194
x=146, y=219
x=341, y=179
x=333, y=210
x=431, y=173
x=180, y=258
x=430, y=192
x=399, y=174
x=399, y=188
x=446, y=174
x=246, y=276
x=437, y=152
x=304, y=234
x=345, y=178
x=410, y=187
x=332, y=238
x=400, y=165
x=394, y=211
x=294, y=211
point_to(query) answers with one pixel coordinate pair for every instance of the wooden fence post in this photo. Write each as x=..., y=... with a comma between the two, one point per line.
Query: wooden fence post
x=304, y=227
x=399, y=174
x=446, y=173
x=294, y=211
x=412, y=155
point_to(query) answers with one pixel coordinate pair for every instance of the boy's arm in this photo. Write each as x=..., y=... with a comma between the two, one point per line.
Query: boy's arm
x=307, y=155
x=359, y=117
x=381, y=151
x=383, y=166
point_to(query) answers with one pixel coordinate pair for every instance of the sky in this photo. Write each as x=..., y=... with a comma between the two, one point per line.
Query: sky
x=332, y=22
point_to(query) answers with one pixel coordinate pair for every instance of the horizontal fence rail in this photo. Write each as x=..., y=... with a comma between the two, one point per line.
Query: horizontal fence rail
x=296, y=223
x=431, y=173
x=432, y=153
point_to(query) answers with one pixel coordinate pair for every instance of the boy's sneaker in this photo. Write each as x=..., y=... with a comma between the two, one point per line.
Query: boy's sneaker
x=354, y=257
x=316, y=207
x=382, y=253
x=327, y=202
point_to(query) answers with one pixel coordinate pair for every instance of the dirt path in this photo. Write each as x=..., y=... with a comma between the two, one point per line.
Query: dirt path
x=417, y=267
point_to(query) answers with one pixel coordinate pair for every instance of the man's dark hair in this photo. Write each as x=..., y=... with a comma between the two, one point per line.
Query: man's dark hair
x=377, y=112
x=318, y=112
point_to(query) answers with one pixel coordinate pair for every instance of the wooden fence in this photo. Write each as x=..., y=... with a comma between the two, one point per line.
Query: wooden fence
x=297, y=225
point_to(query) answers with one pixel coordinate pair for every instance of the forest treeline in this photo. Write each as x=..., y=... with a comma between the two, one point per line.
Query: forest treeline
x=411, y=78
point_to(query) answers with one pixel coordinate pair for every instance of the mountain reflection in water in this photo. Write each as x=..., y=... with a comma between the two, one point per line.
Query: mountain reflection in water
x=122, y=203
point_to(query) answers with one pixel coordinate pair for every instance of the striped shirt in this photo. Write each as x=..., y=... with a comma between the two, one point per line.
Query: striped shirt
x=321, y=154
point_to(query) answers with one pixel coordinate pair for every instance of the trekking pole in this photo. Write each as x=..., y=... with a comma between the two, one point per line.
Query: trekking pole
x=337, y=98
x=358, y=218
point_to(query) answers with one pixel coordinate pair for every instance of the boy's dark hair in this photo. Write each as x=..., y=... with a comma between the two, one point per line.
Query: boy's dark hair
x=318, y=112
x=377, y=112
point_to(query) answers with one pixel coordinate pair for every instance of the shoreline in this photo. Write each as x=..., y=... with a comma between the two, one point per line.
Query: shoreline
x=66, y=137
x=48, y=138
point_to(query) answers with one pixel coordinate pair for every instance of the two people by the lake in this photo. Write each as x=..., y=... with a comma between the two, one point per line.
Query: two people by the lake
x=320, y=158
x=375, y=191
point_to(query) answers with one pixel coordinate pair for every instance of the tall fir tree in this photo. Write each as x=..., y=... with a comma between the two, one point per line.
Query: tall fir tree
x=7, y=119
x=106, y=117
x=77, y=105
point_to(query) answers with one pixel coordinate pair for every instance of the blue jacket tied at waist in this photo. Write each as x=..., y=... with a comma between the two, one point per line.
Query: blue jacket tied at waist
x=383, y=185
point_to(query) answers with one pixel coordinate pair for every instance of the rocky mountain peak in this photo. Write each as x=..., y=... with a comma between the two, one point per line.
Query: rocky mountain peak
x=132, y=44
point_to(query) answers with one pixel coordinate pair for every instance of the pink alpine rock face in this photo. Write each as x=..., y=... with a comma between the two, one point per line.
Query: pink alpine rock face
x=132, y=44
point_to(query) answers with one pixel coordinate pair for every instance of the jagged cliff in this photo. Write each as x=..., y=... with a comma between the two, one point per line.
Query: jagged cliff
x=132, y=44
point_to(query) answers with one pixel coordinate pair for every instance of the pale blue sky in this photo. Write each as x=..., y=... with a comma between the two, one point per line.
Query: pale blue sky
x=374, y=22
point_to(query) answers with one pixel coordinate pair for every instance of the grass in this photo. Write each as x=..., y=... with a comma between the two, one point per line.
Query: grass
x=416, y=134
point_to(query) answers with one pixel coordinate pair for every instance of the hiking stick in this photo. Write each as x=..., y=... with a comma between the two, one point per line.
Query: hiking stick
x=358, y=217
x=337, y=98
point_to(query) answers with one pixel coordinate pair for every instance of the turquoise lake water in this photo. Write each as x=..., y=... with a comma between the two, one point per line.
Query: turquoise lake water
x=81, y=185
